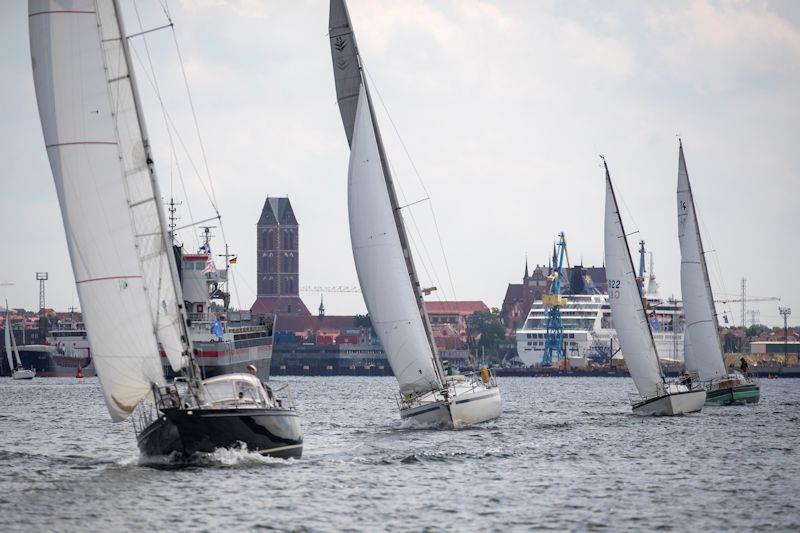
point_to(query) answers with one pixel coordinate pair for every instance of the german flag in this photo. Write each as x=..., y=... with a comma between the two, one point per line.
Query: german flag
x=232, y=260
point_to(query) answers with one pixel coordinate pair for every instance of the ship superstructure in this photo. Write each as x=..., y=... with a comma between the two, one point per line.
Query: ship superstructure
x=589, y=330
x=225, y=341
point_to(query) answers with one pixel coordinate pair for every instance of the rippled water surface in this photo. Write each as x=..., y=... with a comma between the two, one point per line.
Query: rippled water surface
x=566, y=454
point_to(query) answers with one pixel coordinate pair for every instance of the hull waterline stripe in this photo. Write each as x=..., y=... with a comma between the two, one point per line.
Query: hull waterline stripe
x=656, y=398
x=107, y=278
x=267, y=451
x=56, y=145
x=428, y=410
x=62, y=12
x=484, y=397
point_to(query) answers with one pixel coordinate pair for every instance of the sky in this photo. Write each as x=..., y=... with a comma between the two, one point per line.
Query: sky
x=502, y=107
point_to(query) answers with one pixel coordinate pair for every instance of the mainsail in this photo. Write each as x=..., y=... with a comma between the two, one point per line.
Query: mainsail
x=381, y=248
x=110, y=205
x=705, y=353
x=627, y=308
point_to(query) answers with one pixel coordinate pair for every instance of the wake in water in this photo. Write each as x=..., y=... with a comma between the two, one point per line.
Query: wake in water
x=220, y=458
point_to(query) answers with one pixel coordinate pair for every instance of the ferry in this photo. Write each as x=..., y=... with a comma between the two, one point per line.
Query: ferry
x=589, y=330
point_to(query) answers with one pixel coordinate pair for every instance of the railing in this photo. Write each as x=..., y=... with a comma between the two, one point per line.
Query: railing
x=473, y=379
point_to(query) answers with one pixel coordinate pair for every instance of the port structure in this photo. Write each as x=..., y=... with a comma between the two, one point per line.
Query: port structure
x=553, y=302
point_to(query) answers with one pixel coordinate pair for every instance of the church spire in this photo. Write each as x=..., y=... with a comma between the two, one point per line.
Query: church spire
x=525, y=278
x=321, y=307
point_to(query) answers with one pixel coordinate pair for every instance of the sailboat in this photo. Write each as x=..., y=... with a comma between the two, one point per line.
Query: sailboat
x=12, y=353
x=656, y=396
x=702, y=347
x=121, y=252
x=385, y=265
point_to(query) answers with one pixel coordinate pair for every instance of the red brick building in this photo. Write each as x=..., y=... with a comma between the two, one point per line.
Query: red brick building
x=278, y=268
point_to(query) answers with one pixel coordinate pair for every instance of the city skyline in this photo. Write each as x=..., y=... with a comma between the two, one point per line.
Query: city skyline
x=503, y=107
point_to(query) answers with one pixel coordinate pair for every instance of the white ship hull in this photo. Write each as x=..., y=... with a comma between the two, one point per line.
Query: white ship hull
x=679, y=403
x=466, y=405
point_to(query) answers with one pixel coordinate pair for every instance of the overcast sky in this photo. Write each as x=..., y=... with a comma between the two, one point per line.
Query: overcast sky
x=503, y=107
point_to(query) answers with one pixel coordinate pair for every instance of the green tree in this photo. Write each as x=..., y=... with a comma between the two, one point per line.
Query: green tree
x=756, y=329
x=362, y=321
x=487, y=327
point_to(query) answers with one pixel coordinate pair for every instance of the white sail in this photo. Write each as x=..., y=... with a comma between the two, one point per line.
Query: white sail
x=109, y=202
x=705, y=354
x=630, y=321
x=16, y=350
x=7, y=330
x=381, y=266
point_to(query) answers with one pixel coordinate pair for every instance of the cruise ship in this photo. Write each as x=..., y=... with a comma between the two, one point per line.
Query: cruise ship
x=589, y=330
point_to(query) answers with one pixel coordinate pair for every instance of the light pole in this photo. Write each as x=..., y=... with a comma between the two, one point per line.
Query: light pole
x=785, y=312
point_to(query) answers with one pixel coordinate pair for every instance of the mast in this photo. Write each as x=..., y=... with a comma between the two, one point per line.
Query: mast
x=349, y=119
x=188, y=353
x=633, y=270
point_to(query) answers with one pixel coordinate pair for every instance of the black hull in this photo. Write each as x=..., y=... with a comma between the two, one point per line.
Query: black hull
x=272, y=432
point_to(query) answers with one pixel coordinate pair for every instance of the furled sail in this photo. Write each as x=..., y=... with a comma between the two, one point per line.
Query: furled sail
x=630, y=320
x=381, y=249
x=7, y=329
x=705, y=353
x=109, y=200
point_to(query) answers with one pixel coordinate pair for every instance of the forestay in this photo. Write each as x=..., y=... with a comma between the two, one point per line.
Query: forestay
x=630, y=320
x=705, y=354
x=110, y=208
x=380, y=264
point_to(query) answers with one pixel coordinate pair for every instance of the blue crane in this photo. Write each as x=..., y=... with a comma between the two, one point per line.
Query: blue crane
x=553, y=302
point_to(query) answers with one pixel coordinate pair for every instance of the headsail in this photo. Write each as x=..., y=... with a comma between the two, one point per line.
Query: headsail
x=99, y=156
x=7, y=331
x=705, y=355
x=381, y=248
x=630, y=320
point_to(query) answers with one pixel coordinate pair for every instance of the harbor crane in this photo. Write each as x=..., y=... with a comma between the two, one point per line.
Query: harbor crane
x=553, y=302
x=329, y=288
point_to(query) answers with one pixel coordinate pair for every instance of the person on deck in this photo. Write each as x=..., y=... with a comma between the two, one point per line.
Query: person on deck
x=251, y=369
x=686, y=379
x=743, y=365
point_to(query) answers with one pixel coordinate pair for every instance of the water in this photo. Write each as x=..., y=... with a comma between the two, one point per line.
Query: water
x=566, y=454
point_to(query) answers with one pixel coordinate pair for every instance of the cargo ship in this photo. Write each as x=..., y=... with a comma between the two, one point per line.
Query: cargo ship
x=225, y=341
x=66, y=353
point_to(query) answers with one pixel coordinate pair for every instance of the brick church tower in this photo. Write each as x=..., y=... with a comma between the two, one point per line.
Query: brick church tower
x=277, y=247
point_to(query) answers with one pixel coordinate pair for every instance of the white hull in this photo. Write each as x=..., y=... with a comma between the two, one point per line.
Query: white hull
x=23, y=373
x=467, y=405
x=679, y=403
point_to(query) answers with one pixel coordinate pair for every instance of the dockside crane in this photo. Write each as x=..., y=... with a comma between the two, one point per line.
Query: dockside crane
x=553, y=302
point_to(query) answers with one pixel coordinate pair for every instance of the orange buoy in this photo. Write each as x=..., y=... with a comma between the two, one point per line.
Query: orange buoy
x=79, y=374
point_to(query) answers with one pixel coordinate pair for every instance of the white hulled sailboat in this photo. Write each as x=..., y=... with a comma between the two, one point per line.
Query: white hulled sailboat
x=702, y=348
x=12, y=353
x=384, y=262
x=657, y=396
x=120, y=249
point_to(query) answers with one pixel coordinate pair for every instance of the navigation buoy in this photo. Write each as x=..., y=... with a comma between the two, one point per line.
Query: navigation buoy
x=79, y=373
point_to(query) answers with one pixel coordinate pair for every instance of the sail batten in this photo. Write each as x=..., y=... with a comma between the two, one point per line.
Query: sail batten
x=627, y=308
x=109, y=199
x=701, y=331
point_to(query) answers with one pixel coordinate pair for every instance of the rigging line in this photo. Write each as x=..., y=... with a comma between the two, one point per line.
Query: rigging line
x=432, y=278
x=421, y=182
x=169, y=122
x=194, y=118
